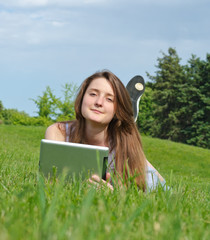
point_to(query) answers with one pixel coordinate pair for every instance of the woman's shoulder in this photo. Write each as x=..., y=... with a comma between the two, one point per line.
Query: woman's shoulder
x=56, y=132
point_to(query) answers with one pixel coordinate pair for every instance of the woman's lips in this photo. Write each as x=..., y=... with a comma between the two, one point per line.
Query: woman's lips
x=96, y=111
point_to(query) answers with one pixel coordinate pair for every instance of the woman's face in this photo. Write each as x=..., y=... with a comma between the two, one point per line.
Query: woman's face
x=98, y=102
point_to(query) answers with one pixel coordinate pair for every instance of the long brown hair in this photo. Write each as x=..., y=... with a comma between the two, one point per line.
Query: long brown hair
x=123, y=135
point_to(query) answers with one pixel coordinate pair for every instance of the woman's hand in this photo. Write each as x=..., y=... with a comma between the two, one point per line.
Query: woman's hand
x=96, y=180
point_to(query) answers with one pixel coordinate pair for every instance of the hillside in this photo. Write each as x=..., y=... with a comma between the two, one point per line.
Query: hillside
x=32, y=208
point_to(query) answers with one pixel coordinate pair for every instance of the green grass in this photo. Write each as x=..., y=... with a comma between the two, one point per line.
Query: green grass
x=31, y=208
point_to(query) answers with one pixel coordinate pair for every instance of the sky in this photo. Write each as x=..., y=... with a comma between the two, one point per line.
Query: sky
x=53, y=42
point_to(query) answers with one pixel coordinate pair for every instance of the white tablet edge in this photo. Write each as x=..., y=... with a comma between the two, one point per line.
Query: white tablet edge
x=75, y=144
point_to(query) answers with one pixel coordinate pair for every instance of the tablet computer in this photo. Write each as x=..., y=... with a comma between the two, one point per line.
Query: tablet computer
x=79, y=160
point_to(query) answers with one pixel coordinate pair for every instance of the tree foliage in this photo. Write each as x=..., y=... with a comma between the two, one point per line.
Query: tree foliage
x=180, y=97
x=196, y=103
x=1, y=112
x=54, y=108
x=66, y=106
x=145, y=118
x=50, y=109
x=15, y=117
x=167, y=82
x=46, y=104
x=1, y=106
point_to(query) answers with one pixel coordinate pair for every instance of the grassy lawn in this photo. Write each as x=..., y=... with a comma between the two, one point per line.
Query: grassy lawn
x=31, y=208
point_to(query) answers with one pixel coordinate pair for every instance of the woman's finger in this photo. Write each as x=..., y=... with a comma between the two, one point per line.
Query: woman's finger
x=108, y=176
x=95, y=179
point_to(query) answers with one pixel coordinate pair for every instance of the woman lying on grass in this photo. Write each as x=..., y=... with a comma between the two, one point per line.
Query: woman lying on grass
x=104, y=117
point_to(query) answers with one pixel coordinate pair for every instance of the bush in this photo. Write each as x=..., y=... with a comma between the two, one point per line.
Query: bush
x=14, y=117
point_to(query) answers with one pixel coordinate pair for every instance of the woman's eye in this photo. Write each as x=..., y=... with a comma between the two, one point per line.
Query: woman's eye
x=92, y=94
x=109, y=99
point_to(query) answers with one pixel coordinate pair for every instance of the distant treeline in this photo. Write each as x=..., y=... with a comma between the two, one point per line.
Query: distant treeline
x=50, y=109
x=175, y=104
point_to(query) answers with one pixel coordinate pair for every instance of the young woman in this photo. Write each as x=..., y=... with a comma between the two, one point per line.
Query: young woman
x=104, y=117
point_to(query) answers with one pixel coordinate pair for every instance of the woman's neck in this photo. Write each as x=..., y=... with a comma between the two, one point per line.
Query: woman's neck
x=96, y=135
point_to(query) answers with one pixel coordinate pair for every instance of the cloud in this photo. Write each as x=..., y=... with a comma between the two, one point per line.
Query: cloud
x=58, y=24
x=49, y=3
x=23, y=3
x=111, y=25
x=124, y=25
x=26, y=3
x=34, y=28
x=31, y=4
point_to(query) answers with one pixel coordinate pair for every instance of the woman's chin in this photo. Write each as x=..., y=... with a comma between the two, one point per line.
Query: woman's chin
x=97, y=121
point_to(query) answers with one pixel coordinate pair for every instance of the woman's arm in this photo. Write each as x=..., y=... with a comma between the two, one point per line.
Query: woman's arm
x=155, y=171
x=154, y=178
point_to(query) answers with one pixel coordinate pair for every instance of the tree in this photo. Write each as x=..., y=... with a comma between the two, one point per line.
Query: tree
x=1, y=112
x=146, y=107
x=181, y=95
x=54, y=108
x=1, y=106
x=167, y=84
x=196, y=127
x=47, y=104
x=66, y=107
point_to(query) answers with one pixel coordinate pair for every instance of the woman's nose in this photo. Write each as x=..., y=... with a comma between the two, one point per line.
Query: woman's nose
x=99, y=101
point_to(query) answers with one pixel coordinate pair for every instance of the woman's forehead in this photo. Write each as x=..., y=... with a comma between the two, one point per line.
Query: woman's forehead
x=101, y=84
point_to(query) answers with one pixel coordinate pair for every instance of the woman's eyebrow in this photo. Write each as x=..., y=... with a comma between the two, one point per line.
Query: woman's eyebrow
x=109, y=94
x=97, y=90
x=93, y=89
